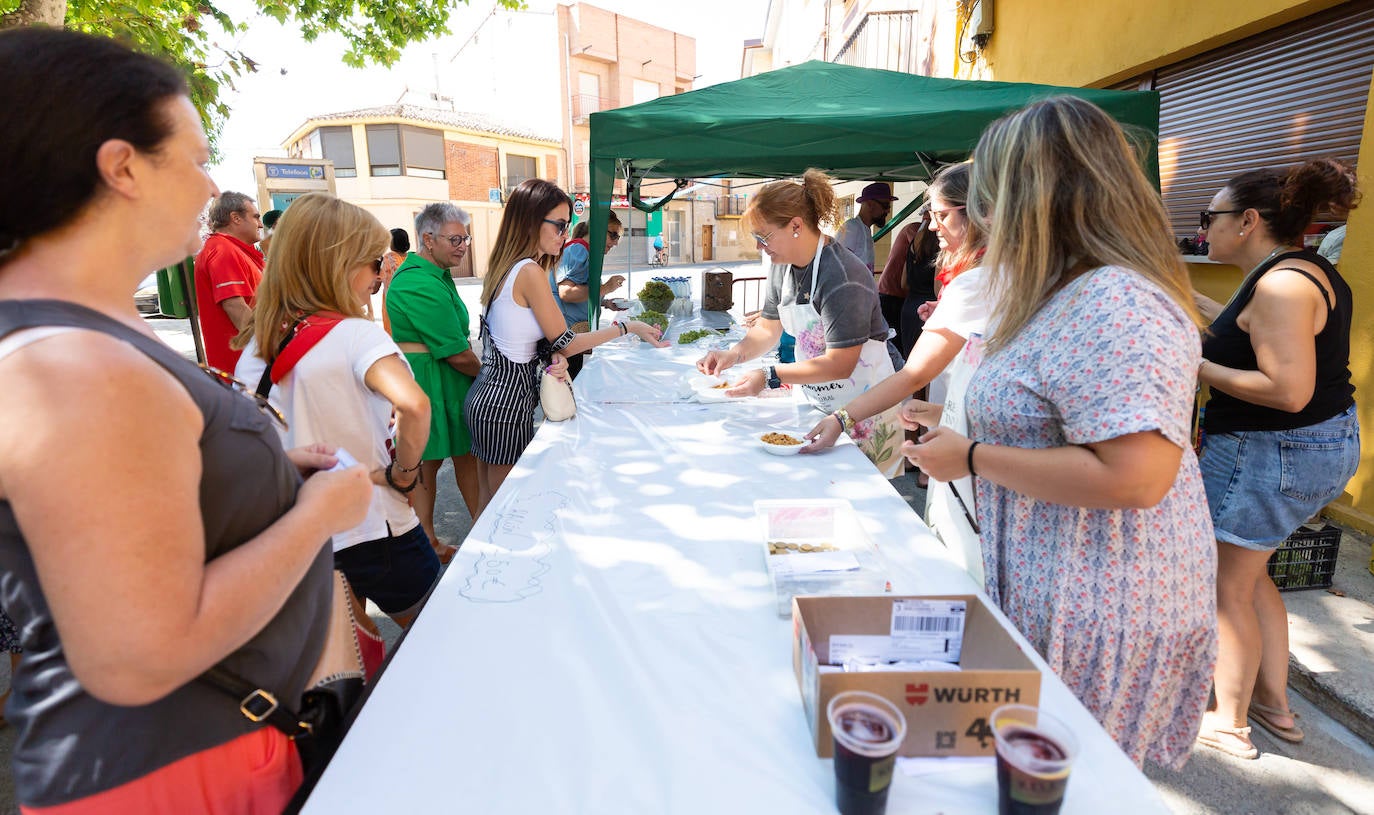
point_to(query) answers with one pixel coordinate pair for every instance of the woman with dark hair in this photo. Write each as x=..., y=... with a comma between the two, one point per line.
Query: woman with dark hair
x=101, y=423
x=391, y=260
x=918, y=270
x=1282, y=437
x=523, y=330
x=824, y=295
x=1095, y=535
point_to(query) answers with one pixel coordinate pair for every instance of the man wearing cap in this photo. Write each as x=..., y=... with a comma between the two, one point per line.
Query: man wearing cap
x=228, y=270
x=856, y=235
x=269, y=225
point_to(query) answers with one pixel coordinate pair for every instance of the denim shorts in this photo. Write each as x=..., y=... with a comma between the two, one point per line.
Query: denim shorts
x=393, y=572
x=1263, y=484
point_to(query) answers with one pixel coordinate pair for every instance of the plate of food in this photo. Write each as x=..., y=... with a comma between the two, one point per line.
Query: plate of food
x=712, y=388
x=781, y=444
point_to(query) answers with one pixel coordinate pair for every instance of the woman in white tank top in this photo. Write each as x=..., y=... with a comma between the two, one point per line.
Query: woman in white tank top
x=520, y=314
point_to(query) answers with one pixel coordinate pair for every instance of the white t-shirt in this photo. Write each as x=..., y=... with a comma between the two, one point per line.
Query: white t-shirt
x=856, y=236
x=963, y=309
x=326, y=401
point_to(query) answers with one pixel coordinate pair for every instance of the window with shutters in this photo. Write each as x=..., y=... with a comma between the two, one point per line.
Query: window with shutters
x=336, y=144
x=397, y=149
x=520, y=169
x=1287, y=95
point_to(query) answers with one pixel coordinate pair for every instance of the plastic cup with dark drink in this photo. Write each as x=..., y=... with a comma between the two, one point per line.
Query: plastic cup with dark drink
x=868, y=730
x=1034, y=753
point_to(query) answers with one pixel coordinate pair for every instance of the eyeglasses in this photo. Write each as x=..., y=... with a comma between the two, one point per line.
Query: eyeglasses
x=942, y=215
x=1209, y=214
x=270, y=410
x=455, y=240
x=377, y=266
x=762, y=240
x=612, y=235
x=560, y=225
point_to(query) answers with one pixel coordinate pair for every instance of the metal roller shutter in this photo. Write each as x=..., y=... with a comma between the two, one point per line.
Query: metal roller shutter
x=1294, y=93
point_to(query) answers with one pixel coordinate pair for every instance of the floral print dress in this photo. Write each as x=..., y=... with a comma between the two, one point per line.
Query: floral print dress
x=1121, y=603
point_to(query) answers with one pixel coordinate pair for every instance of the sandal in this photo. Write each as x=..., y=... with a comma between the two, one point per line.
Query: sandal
x=1209, y=736
x=1263, y=716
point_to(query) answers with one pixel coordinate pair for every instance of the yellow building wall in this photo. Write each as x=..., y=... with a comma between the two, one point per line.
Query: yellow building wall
x=1118, y=41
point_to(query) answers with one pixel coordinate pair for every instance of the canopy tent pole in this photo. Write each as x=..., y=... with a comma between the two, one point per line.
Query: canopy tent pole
x=603, y=183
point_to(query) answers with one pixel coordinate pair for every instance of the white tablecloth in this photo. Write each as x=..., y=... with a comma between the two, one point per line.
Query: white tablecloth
x=607, y=641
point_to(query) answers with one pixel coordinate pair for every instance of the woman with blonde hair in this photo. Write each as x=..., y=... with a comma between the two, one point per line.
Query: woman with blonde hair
x=523, y=330
x=338, y=378
x=1095, y=534
x=822, y=294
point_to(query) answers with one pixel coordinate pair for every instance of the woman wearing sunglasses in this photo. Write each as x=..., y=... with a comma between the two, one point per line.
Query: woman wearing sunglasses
x=431, y=326
x=822, y=294
x=151, y=526
x=339, y=378
x=1282, y=437
x=524, y=331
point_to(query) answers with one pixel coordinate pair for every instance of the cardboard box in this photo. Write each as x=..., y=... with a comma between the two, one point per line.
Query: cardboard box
x=946, y=712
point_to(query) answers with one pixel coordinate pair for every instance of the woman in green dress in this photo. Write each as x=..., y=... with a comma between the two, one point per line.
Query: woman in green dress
x=430, y=325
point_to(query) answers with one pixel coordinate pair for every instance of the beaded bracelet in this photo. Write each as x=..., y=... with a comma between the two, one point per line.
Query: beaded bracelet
x=392, y=482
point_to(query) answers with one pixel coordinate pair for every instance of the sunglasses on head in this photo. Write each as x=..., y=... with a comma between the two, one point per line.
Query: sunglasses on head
x=561, y=225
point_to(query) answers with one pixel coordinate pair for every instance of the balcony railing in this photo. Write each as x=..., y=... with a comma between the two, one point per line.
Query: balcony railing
x=585, y=104
x=731, y=205
x=887, y=40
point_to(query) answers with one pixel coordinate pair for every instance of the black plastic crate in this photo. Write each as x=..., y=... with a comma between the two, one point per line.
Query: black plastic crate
x=1307, y=560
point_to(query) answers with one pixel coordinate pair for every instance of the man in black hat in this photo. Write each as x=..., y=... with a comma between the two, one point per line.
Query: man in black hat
x=856, y=234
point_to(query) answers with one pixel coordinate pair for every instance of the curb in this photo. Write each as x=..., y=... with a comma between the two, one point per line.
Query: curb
x=1309, y=684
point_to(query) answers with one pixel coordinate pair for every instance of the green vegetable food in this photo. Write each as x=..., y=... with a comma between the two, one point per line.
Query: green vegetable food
x=692, y=336
x=657, y=318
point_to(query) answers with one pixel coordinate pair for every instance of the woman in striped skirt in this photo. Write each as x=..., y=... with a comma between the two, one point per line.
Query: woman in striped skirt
x=521, y=324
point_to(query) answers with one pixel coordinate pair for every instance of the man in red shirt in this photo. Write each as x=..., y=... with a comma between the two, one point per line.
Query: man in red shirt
x=228, y=270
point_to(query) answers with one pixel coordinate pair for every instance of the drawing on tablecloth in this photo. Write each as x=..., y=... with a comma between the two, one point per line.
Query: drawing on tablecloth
x=511, y=562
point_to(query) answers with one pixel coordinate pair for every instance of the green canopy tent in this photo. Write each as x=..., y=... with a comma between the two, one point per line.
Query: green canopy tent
x=853, y=123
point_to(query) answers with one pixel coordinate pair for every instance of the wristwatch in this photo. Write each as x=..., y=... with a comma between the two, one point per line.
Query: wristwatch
x=771, y=379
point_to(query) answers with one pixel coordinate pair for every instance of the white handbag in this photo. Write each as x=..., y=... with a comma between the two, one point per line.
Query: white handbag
x=556, y=398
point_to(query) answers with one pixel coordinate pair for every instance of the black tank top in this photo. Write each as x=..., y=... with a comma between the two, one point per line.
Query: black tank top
x=1226, y=344
x=71, y=745
x=920, y=273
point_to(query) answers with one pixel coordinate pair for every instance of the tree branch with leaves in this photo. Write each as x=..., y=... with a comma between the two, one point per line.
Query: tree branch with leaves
x=184, y=33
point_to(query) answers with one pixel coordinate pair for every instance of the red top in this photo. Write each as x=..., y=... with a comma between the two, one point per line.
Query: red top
x=227, y=267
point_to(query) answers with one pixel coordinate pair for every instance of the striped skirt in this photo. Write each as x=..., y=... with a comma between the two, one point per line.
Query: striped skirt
x=500, y=406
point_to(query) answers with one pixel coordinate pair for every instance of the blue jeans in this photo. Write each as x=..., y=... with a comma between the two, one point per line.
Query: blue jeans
x=1263, y=484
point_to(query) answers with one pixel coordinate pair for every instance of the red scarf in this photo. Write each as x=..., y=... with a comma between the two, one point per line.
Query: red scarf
x=948, y=273
x=308, y=331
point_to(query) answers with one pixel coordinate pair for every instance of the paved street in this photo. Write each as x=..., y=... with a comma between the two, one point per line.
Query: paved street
x=1332, y=772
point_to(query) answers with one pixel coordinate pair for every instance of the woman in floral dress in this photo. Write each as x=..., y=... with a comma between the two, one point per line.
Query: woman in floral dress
x=1096, y=538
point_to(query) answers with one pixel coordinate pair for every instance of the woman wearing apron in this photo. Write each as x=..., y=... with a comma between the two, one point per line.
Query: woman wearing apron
x=823, y=295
